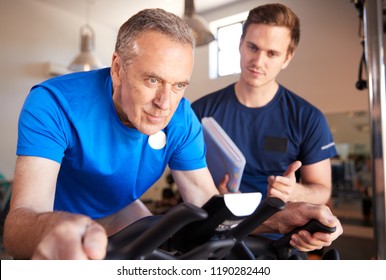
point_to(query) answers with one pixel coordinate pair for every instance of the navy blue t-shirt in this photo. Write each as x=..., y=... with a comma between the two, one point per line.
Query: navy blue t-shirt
x=271, y=137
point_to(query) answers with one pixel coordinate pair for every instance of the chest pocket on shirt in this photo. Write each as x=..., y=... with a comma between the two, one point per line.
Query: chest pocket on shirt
x=275, y=144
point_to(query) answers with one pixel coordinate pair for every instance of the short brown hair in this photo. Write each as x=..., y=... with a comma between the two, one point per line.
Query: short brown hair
x=276, y=15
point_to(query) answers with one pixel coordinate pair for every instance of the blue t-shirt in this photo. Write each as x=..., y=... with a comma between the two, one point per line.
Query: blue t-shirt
x=271, y=137
x=105, y=165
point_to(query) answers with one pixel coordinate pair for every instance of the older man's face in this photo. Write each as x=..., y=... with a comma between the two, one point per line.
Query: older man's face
x=148, y=90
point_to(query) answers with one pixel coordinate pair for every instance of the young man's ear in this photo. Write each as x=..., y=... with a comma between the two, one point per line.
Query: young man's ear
x=241, y=41
x=288, y=60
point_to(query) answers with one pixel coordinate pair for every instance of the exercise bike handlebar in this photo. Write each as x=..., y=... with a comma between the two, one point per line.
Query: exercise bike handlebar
x=155, y=235
x=189, y=231
x=266, y=209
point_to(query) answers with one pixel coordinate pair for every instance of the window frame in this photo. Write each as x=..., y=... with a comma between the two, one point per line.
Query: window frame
x=214, y=48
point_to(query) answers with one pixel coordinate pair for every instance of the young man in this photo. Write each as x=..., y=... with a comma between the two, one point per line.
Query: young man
x=276, y=130
x=91, y=143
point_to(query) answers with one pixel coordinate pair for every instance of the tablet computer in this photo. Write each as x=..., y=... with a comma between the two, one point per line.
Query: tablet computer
x=222, y=154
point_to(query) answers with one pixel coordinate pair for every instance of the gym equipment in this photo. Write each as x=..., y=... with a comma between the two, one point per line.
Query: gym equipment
x=218, y=230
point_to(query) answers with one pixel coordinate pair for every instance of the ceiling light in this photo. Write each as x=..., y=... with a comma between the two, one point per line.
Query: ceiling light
x=198, y=24
x=86, y=60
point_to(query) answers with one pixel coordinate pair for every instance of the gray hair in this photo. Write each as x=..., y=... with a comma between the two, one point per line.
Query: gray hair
x=157, y=20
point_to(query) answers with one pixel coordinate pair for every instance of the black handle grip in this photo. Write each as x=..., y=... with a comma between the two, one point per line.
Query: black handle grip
x=312, y=226
x=266, y=209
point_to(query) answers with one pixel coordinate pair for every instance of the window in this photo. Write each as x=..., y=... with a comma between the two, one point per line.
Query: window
x=228, y=57
x=224, y=56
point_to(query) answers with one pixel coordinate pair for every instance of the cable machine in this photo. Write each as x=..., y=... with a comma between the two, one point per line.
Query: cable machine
x=373, y=38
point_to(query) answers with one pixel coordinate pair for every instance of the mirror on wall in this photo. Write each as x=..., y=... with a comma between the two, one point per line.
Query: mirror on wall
x=351, y=132
x=351, y=170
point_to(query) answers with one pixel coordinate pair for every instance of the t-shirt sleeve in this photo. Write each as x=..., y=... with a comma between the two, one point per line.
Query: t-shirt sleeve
x=190, y=152
x=42, y=125
x=318, y=143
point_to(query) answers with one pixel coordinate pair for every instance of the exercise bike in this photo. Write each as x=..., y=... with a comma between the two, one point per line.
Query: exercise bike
x=219, y=230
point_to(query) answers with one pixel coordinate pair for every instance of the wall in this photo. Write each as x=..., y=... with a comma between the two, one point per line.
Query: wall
x=32, y=35
x=324, y=69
